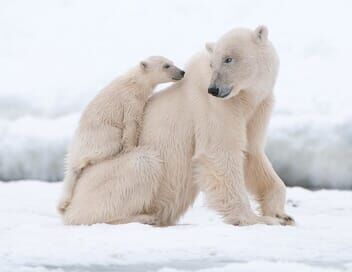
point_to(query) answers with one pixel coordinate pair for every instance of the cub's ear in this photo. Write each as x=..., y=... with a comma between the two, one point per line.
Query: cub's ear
x=143, y=65
x=261, y=33
x=210, y=47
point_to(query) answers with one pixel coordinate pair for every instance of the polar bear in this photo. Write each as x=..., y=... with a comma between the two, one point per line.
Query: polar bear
x=206, y=133
x=111, y=122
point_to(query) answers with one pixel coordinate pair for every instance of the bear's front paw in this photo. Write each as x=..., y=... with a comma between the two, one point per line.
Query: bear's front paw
x=252, y=220
x=285, y=219
x=279, y=214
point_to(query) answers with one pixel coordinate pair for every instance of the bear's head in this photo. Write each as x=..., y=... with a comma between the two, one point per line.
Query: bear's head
x=242, y=60
x=160, y=70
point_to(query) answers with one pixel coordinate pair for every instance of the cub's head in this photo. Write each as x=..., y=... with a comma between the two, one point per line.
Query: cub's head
x=242, y=60
x=161, y=70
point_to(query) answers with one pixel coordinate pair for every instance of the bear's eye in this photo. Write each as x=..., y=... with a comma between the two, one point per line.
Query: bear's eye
x=228, y=60
x=166, y=66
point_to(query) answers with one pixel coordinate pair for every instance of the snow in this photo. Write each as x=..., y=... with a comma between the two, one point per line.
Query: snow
x=55, y=55
x=34, y=239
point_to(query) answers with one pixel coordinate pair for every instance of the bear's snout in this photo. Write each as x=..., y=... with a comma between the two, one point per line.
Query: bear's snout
x=180, y=75
x=213, y=90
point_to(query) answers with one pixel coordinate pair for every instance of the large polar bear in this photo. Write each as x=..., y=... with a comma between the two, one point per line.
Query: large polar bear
x=193, y=140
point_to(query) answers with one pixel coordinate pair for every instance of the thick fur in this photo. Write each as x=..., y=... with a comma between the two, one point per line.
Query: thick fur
x=110, y=124
x=192, y=141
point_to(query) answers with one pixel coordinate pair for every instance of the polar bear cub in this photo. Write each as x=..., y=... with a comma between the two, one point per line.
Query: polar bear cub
x=111, y=122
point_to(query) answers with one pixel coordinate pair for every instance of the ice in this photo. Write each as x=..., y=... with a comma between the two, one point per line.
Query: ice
x=56, y=55
x=33, y=237
x=34, y=147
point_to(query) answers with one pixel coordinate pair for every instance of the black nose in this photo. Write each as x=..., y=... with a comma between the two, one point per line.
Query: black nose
x=182, y=73
x=213, y=91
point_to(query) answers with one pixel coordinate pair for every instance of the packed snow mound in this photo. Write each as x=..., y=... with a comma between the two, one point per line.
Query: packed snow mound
x=33, y=238
x=35, y=147
x=304, y=153
x=311, y=153
x=53, y=63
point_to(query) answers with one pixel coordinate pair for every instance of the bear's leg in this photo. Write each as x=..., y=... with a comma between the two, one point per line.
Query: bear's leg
x=223, y=184
x=261, y=179
x=121, y=188
x=129, y=136
x=266, y=186
x=68, y=187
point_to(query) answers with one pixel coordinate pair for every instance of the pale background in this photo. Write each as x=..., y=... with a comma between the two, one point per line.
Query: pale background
x=56, y=55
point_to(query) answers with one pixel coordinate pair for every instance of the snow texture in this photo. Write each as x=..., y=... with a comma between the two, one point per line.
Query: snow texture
x=33, y=239
x=56, y=55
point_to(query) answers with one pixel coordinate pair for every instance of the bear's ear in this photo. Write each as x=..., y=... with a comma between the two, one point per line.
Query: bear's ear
x=261, y=33
x=210, y=47
x=143, y=65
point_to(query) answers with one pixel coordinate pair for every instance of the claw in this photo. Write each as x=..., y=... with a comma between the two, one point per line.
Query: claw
x=286, y=219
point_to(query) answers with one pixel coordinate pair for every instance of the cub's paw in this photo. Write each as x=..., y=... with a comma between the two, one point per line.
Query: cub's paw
x=63, y=204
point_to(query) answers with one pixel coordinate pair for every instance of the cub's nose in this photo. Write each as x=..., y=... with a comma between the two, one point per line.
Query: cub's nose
x=182, y=73
x=213, y=91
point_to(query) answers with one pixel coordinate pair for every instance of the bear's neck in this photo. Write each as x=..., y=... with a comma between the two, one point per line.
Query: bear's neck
x=139, y=83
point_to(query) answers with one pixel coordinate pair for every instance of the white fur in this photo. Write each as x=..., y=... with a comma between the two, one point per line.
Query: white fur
x=110, y=124
x=192, y=141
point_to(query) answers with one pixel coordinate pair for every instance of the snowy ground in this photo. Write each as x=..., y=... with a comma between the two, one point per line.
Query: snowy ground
x=33, y=239
x=55, y=55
